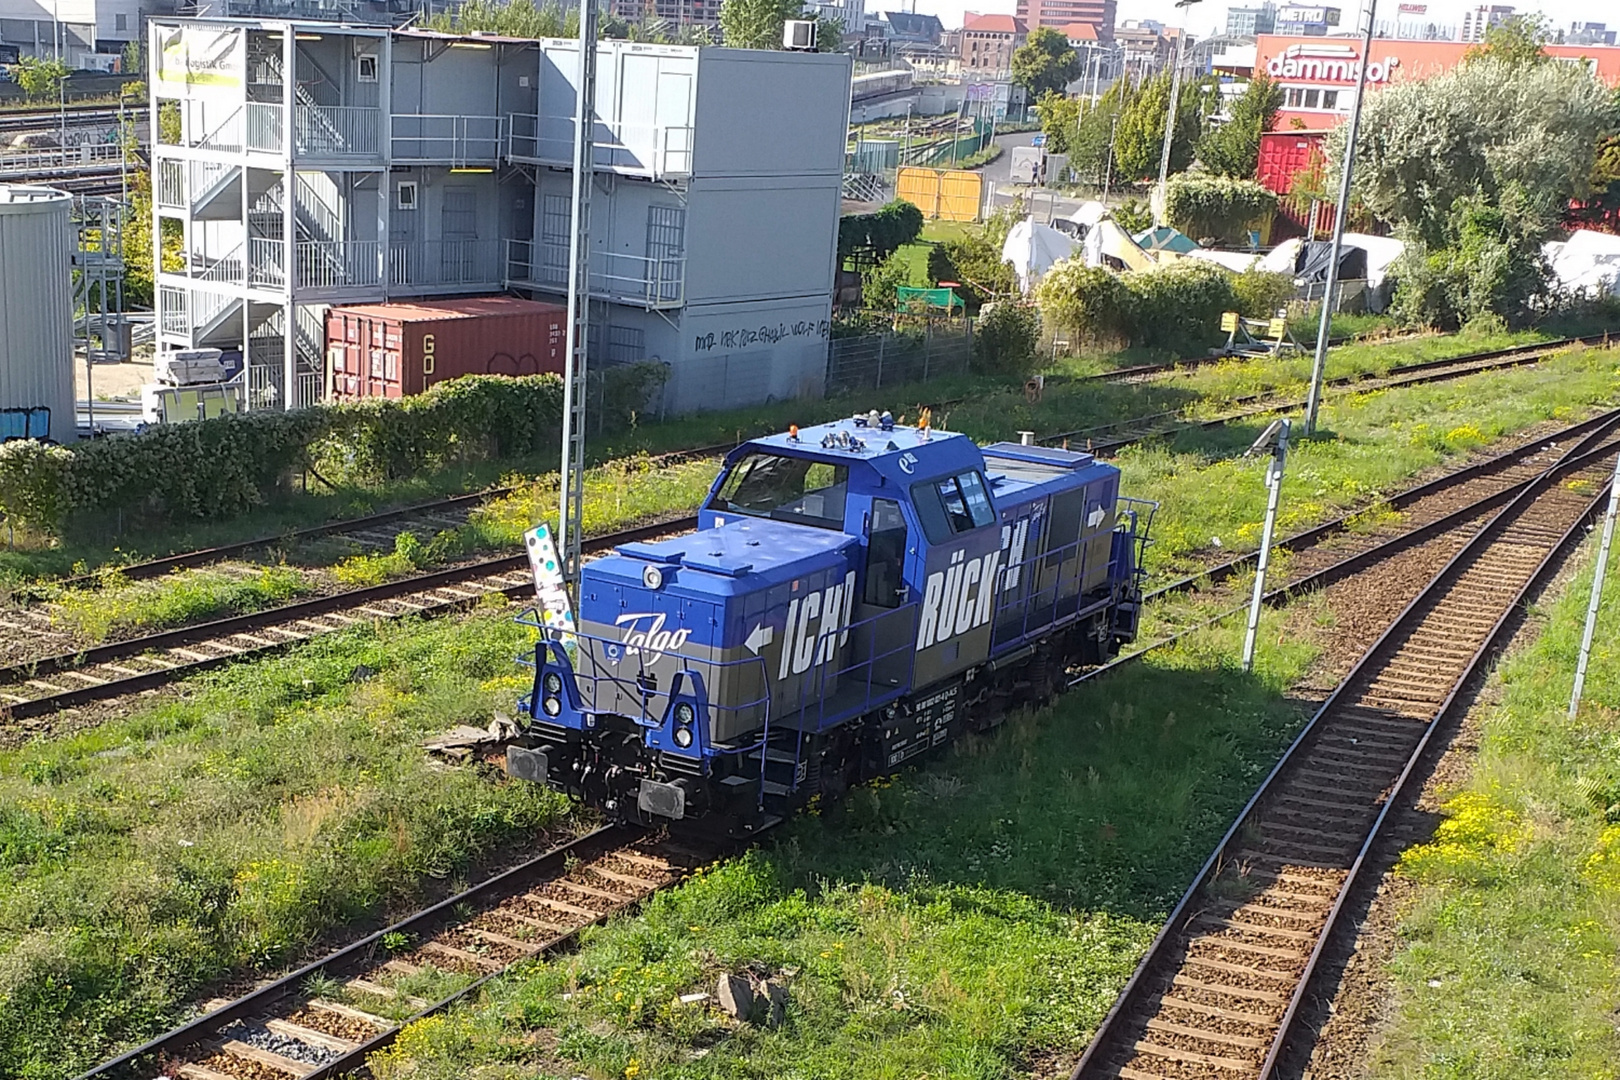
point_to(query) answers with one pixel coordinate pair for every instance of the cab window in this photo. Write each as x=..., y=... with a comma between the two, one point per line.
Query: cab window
x=951, y=505
x=785, y=488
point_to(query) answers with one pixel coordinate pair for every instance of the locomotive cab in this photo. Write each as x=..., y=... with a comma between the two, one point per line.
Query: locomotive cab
x=854, y=594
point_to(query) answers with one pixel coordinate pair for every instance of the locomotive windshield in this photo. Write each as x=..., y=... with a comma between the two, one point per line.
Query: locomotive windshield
x=785, y=488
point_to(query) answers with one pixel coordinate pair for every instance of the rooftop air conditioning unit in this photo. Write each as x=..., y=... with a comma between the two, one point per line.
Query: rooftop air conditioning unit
x=799, y=34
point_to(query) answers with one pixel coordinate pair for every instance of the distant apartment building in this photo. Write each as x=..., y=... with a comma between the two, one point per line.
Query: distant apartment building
x=1146, y=47
x=908, y=26
x=320, y=164
x=987, y=45
x=1589, y=33
x=1480, y=19
x=680, y=14
x=1060, y=13
x=1251, y=21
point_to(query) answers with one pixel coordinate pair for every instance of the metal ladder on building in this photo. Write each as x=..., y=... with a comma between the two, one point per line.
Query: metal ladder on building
x=575, y=366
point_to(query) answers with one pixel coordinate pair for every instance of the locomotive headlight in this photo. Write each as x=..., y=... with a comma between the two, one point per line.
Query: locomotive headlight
x=685, y=714
x=683, y=737
x=553, y=683
x=551, y=706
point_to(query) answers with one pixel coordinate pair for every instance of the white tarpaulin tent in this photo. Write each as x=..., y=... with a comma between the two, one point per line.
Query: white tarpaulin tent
x=1032, y=249
x=1089, y=213
x=1235, y=261
x=1381, y=252
x=1587, y=260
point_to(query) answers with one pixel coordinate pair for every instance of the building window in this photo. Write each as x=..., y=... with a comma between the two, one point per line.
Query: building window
x=367, y=69
x=1330, y=99
x=406, y=199
x=1312, y=98
x=120, y=22
x=626, y=344
x=1294, y=96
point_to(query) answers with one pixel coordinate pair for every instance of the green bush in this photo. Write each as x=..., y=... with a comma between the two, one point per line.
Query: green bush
x=880, y=233
x=1089, y=301
x=1217, y=207
x=975, y=264
x=1176, y=308
x=1491, y=265
x=1005, y=339
x=219, y=468
x=1133, y=215
x=1260, y=294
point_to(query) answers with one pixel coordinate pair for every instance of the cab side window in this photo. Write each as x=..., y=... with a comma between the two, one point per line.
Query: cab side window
x=954, y=504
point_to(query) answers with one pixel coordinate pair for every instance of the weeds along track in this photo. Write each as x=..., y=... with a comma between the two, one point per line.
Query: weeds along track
x=377, y=531
x=30, y=692
x=1218, y=991
x=292, y=1030
x=1104, y=439
x=37, y=688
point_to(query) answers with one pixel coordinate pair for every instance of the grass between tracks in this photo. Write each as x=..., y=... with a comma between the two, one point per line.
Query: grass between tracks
x=972, y=918
x=988, y=907
x=1208, y=493
x=230, y=830
x=1507, y=965
x=992, y=408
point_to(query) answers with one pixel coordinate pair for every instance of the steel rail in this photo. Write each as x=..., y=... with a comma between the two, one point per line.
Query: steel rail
x=202, y=556
x=1586, y=453
x=1327, y=529
x=1260, y=404
x=288, y=613
x=594, y=843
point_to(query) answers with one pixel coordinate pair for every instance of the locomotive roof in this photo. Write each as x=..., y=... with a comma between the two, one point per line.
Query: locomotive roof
x=748, y=552
x=901, y=453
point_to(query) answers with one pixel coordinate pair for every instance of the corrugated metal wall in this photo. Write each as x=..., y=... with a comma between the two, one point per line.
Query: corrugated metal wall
x=36, y=311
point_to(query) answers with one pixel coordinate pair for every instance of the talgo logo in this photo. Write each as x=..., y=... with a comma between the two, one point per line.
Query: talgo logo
x=958, y=598
x=652, y=639
x=828, y=612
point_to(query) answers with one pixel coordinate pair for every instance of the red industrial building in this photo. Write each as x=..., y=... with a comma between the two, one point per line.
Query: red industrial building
x=1318, y=76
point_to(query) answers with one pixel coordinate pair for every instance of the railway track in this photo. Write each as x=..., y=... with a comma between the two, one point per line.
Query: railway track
x=1105, y=439
x=36, y=688
x=288, y=1029
x=1219, y=989
x=541, y=905
x=77, y=116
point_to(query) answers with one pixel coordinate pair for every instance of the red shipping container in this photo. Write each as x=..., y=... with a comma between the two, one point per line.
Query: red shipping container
x=391, y=350
x=1286, y=154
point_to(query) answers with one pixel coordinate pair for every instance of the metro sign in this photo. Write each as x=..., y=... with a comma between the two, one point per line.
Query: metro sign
x=1328, y=63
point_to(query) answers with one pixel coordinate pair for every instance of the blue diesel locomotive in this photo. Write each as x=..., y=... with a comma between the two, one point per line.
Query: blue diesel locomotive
x=855, y=594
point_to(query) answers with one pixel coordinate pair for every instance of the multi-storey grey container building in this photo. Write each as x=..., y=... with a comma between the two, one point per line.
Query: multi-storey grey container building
x=318, y=164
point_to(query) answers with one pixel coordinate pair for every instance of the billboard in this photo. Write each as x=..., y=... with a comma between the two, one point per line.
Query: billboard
x=191, y=56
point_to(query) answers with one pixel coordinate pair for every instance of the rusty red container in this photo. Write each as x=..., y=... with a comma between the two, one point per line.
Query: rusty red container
x=392, y=350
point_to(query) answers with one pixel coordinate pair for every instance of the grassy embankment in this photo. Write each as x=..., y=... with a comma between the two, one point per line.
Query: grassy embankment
x=1013, y=884
x=630, y=490
x=1507, y=962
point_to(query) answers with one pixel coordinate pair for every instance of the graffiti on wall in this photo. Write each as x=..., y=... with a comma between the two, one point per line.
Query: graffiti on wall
x=763, y=335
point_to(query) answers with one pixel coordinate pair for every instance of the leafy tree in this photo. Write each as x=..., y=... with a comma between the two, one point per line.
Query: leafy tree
x=880, y=282
x=1091, y=150
x=1060, y=119
x=874, y=237
x=519, y=18
x=1478, y=130
x=757, y=24
x=1217, y=207
x=1488, y=266
x=1233, y=149
x=1045, y=63
x=1517, y=41
x=975, y=264
x=41, y=79
x=1006, y=337
x=1139, y=139
x=1133, y=216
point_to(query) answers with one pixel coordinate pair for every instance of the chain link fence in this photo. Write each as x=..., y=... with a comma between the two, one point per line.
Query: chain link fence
x=873, y=361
